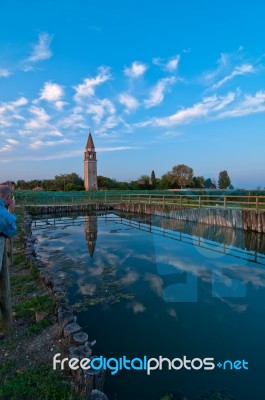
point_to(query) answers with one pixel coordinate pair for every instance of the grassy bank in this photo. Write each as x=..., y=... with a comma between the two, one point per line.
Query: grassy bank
x=27, y=347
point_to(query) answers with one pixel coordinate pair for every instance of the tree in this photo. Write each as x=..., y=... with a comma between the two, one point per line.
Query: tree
x=153, y=178
x=198, y=182
x=165, y=182
x=181, y=175
x=208, y=183
x=224, y=180
x=144, y=182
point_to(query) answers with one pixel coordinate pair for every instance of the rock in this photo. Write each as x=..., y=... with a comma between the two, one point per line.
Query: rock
x=62, y=302
x=58, y=289
x=71, y=329
x=80, y=352
x=80, y=338
x=66, y=316
x=58, y=282
x=60, y=295
x=97, y=395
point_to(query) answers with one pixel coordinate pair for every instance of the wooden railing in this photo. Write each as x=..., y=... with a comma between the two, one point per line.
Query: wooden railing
x=244, y=202
x=6, y=260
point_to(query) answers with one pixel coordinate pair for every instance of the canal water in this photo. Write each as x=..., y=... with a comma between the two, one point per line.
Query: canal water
x=147, y=286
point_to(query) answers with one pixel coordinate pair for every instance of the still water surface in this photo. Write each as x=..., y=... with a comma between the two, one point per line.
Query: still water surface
x=195, y=291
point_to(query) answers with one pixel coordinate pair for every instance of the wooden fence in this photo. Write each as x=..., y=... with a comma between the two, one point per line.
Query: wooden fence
x=244, y=202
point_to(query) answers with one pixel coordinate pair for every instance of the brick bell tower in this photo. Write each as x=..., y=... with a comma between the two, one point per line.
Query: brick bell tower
x=90, y=165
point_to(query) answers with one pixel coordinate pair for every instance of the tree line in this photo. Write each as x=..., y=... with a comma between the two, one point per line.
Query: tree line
x=181, y=176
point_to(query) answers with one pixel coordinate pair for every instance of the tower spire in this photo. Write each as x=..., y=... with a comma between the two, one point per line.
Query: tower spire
x=90, y=143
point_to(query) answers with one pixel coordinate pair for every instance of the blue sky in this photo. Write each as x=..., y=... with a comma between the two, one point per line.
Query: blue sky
x=158, y=83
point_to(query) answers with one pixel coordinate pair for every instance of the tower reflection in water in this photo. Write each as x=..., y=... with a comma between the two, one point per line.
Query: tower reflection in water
x=91, y=232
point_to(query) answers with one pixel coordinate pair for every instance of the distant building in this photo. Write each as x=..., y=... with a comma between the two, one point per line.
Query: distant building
x=90, y=165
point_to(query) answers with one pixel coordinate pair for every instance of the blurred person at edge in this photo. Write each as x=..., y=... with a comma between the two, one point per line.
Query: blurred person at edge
x=8, y=226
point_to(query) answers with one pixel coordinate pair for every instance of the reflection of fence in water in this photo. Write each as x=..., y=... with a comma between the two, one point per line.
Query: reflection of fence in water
x=236, y=243
x=5, y=294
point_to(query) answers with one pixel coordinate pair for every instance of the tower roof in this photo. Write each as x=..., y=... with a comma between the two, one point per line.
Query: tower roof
x=90, y=143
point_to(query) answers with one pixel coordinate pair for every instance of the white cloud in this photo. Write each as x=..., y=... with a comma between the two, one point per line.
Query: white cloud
x=99, y=109
x=4, y=73
x=208, y=106
x=223, y=62
x=107, y=149
x=51, y=92
x=13, y=105
x=37, y=144
x=130, y=102
x=9, y=111
x=74, y=120
x=87, y=88
x=58, y=156
x=40, y=120
x=158, y=92
x=41, y=51
x=12, y=141
x=251, y=104
x=171, y=133
x=22, y=101
x=239, y=70
x=60, y=105
x=224, y=101
x=171, y=64
x=6, y=147
x=135, y=70
x=110, y=122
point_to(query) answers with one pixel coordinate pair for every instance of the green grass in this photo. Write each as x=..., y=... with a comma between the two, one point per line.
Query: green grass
x=6, y=367
x=22, y=285
x=35, y=304
x=38, y=327
x=36, y=383
x=18, y=258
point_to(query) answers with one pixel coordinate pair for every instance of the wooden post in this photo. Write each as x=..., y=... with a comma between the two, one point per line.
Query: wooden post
x=257, y=203
x=5, y=294
x=199, y=201
x=225, y=202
